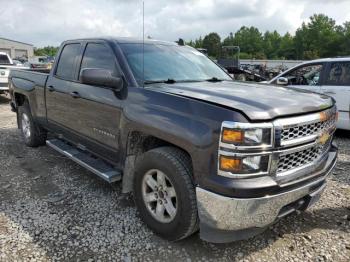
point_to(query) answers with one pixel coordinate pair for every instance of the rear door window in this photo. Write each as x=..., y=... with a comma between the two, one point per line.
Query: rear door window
x=66, y=63
x=99, y=56
x=339, y=74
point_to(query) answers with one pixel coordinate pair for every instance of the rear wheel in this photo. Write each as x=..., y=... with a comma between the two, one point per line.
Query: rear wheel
x=164, y=193
x=33, y=134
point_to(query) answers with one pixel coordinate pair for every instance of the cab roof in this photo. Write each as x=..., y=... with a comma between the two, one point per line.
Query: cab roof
x=124, y=40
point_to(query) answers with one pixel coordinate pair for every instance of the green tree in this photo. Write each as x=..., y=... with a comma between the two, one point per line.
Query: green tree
x=320, y=37
x=287, y=48
x=46, y=51
x=344, y=41
x=212, y=42
x=228, y=41
x=271, y=44
x=317, y=38
x=198, y=43
x=250, y=41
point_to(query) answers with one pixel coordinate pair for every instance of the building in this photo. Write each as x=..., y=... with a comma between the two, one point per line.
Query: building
x=16, y=49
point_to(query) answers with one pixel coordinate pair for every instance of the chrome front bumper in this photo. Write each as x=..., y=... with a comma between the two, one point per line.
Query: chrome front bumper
x=219, y=214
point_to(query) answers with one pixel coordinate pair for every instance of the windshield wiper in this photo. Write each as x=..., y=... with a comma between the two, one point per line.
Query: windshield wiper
x=214, y=79
x=168, y=81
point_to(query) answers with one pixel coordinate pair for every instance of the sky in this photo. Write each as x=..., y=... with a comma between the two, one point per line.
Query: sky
x=49, y=22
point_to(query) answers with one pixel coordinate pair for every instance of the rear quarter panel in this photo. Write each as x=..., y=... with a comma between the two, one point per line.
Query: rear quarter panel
x=31, y=85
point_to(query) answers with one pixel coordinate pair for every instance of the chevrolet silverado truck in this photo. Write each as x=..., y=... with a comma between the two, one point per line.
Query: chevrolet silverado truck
x=197, y=150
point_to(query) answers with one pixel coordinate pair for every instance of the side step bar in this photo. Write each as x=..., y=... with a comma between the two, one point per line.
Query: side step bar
x=95, y=165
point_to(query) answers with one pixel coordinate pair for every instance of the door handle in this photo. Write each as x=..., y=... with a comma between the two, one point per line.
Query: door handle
x=75, y=94
x=329, y=93
x=51, y=88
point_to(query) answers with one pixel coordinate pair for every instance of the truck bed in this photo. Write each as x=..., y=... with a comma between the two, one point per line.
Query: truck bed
x=20, y=76
x=31, y=85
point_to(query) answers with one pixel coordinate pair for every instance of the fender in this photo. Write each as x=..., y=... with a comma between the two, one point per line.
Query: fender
x=189, y=124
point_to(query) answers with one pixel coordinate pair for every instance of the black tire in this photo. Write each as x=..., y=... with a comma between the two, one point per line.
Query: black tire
x=176, y=165
x=36, y=135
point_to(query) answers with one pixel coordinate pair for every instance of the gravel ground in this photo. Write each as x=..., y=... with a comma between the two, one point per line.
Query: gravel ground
x=52, y=209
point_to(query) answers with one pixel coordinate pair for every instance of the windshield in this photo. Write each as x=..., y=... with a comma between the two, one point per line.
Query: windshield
x=164, y=62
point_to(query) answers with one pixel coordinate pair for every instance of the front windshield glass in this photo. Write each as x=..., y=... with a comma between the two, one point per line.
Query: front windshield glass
x=164, y=62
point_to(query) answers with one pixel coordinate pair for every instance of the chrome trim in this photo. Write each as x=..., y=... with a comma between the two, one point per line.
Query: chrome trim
x=244, y=126
x=225, y=213
x=279, y=151
x=298, y=141
x=315, y=174
x=273, y=161
x=316, y=162
x=277, y=147
x=242, y=155
x=297, y=121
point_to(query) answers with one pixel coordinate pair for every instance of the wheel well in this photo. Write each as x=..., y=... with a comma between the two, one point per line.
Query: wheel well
x=19, y=98
x=139, y=143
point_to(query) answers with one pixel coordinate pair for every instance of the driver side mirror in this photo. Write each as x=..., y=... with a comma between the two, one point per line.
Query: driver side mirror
x=100, y=77
x=283, y=81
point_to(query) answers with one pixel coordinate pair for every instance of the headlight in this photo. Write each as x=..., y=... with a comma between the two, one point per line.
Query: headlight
x=247, y=135
x=242, y=149
x=245, y=165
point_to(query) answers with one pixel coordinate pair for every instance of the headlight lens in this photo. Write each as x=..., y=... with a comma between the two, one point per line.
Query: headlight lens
x=247, y=135
x=242, y=149
x=244, y=165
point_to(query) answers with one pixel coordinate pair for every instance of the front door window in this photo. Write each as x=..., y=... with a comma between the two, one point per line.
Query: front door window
x=308, y=75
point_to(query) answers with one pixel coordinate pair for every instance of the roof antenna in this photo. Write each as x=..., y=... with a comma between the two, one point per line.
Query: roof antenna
x=143, y=43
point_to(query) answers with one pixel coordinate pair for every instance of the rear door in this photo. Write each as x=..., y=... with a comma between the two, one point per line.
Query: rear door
x=96, y=109
x=305, y=77
x=59, y=88
x=337, y=85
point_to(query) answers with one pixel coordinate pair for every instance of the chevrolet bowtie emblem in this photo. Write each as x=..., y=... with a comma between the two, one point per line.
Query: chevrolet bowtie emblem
x=323, y=138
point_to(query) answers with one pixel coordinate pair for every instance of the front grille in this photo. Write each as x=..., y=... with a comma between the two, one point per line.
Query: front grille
x=305, y=128
x=297, y=159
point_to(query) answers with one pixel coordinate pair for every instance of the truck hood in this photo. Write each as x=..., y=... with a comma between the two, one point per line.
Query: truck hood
x=256, y=101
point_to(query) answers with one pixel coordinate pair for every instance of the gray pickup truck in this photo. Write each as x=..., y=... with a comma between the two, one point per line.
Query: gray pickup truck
x=197, y=150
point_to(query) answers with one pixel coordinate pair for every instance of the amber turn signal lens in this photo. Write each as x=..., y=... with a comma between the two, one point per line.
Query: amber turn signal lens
x=230, y=164
x=232, y=136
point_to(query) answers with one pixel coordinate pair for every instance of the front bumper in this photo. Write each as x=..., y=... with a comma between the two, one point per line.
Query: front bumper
x=226, y=219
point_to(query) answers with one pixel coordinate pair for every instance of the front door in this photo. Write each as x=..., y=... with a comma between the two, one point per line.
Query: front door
x=97, y=109
x=337, y=85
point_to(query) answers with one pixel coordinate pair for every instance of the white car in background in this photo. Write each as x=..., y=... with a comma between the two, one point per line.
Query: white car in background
x=6, y=64
x=329, y=76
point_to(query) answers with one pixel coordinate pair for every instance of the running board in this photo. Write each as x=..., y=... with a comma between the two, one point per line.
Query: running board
x=95, y=165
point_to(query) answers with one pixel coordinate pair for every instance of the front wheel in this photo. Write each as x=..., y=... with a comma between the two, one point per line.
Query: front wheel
x=164, y=193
